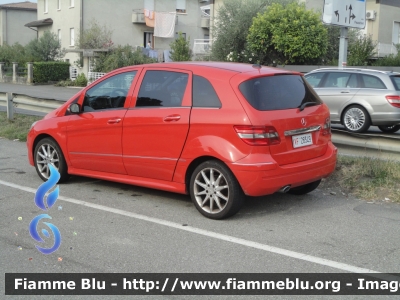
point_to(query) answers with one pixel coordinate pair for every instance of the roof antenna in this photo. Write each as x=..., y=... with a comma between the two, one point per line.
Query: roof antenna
x=256, y=66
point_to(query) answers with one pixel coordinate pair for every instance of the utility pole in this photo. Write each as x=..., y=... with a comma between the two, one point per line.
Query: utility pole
x=343, y=47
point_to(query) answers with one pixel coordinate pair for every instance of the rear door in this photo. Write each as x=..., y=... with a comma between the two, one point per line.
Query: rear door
x=156, y=127
x=288, y=104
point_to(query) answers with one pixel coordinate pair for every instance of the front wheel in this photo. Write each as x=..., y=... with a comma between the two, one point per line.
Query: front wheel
x=47, y=152
x=215, y=191
x=356, y=119
x=389, y=128
x=305, y=189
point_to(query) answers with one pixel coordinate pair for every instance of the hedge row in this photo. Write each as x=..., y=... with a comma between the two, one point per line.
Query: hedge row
x=44, y=72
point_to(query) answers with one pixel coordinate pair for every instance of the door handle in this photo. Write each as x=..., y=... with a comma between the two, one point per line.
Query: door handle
x=171, y=118
x=345, y=92
x=113, y=121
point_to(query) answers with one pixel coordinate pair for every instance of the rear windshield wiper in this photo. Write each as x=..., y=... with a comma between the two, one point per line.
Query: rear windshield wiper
x=307, y=104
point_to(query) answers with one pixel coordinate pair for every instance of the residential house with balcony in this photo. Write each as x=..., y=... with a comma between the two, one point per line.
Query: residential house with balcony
x=13, y=17
x=382, y=22
x=131, y=22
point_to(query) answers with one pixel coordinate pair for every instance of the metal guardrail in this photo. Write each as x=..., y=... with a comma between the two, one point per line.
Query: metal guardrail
x=12, y=101
x=371, y=142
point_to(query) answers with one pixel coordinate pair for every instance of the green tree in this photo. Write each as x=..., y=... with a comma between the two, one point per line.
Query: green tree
x=288, y=34
x=95, y=37
x=231, y=27
x=46, y=48
x=361, y=48
x=180, y=50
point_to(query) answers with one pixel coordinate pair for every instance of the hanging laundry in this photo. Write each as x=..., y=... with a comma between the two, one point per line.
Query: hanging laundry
x=149, y=17
x=164, y=24
x=167, y=56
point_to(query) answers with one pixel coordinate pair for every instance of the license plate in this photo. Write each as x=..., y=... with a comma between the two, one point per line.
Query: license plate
x=302, y=140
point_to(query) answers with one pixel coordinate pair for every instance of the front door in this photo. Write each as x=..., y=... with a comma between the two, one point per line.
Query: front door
x=94, y=135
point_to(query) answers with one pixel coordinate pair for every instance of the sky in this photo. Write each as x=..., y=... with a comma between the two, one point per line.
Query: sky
x=14, y=1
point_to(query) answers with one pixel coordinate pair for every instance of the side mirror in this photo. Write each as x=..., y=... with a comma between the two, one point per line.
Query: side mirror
x=74, y=108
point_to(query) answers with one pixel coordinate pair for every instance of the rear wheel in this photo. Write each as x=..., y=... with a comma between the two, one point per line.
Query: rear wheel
x=304, y=189
x=389, y=128
x=215, y=191
x=47, y=152
x=356, y=119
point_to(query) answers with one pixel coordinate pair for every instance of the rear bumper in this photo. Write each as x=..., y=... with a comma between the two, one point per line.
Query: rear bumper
x=264, y=178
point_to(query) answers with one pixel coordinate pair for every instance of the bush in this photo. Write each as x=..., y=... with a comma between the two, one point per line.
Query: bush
x=361, y=49
x=50, y=71
x=121, y=56
x=180, y=50
x=14, y=53
x=390, y=60
x=81, y=80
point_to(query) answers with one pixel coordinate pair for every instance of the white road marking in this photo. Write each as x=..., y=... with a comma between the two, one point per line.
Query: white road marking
x=219, y=236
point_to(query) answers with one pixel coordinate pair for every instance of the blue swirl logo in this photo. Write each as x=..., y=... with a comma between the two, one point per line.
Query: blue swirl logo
x=45, y=203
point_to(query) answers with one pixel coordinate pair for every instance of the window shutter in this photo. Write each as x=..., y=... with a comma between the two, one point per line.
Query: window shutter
x=181, y=4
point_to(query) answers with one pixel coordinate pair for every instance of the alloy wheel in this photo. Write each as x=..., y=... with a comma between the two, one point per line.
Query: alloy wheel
x=46, y=154
x=211, y=190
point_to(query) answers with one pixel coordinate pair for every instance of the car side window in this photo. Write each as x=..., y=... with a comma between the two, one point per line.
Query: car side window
x=204, y=94
x=315, y=79
x=372, y=82
x=353, y=82
x=162, y=88
x=109, y=94
x=337, y=80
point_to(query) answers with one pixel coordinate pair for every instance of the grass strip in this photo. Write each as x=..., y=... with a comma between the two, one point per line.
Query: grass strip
x=17, y=128
x=367, y=178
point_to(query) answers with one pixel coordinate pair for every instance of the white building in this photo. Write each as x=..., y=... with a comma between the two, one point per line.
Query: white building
x=125, y=18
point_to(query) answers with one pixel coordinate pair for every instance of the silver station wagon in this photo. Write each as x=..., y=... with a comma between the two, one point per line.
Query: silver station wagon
x=359, y=98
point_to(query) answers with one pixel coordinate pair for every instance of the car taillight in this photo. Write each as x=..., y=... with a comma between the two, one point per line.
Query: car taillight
x=394, y=100
x=327, y=127
x=258, y=135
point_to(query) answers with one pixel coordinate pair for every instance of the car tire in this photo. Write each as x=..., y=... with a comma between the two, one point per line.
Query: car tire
x=304, y=189
x=356, y=119
x=48, y=151
x=389, y=128
x=215, y=191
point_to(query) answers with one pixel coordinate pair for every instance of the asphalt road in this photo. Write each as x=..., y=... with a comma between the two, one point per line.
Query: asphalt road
x=111, y=227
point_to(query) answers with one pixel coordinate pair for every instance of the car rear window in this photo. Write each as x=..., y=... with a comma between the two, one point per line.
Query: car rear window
x=278, y=92
x=396, y=82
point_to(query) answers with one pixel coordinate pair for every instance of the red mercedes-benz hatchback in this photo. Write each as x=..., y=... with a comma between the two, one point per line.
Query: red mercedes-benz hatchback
x=217, y=131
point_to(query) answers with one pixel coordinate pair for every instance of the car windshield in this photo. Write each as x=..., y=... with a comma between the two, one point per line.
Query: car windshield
x=278, y=92
x=396, y=82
